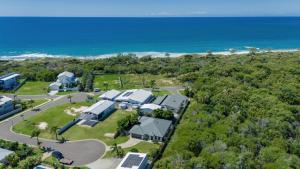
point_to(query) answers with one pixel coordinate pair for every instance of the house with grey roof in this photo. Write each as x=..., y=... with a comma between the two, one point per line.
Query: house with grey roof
x=135, y=96
x=3, y=154
x=65, y=81
x=6, y=105
x=134, y=161
x=110, y=95
x=173, y=102
x=99, y=110
x=9, y=81
x=151, y=129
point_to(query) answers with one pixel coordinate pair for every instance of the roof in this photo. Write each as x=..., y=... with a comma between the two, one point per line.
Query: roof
x=4, y=153
x=99, y=107
x=140, y=95
x=125, y=95
x=174, y=100
x=66, y=73
x=150, y=106
x=55, y=84
x=132, y=160
x=151, y=126
x=159, y=99
x=9, y=76
x=110, y=94
x=4, y=99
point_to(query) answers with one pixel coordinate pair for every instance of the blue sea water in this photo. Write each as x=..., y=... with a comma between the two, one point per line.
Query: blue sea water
x=98, y=36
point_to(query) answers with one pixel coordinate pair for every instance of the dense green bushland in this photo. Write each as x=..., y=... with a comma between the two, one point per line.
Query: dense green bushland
x=244, y=113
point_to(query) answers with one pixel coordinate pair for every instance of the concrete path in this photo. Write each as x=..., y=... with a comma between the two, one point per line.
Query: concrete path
x=131, y=142
x=81, y=152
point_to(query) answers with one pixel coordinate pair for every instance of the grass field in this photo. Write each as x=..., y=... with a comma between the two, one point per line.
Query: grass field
x=131, y=81
x=33, y=88
x=107, y=126
x=142, y=147
x=35, y=103
x=57, y=117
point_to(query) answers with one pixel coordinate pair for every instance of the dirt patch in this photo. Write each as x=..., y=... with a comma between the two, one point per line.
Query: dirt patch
x=43, y=125
x=109, y=135
x=74, y=111
x=167, y=82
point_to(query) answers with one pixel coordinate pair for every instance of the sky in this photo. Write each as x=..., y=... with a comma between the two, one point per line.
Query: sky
x=149, y=8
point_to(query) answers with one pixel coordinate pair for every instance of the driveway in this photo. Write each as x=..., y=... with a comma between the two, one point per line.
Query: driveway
x=82, y=152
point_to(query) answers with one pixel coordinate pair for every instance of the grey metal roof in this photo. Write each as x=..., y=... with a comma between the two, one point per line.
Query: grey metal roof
x=112, y=94
x=9, y=76
x=66, y=73
x=140, y=95
x=174, y=100
x=151, y=126
x=159, y=99
x=99, y=107
x=4, y=153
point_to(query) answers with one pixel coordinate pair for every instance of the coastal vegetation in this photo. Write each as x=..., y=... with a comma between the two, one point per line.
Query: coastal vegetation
x=244, y=110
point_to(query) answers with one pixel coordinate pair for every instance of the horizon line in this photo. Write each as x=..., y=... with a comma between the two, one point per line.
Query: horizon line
x=259, y=16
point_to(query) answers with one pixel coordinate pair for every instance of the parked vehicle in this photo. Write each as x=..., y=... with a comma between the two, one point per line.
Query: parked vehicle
x=59, y=156
x=66, y=161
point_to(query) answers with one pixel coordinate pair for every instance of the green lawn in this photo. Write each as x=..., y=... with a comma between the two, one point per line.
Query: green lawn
x=142, y=147
x=35, y=102
x=57, y=117
x=33, y=88
x=131, y=81
x=109, y=125
x=53, y=117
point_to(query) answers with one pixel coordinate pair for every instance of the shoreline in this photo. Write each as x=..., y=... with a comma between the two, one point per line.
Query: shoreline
x=33, y=56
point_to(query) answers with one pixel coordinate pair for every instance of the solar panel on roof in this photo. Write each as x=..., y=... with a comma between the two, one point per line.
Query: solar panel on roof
x=132, y=160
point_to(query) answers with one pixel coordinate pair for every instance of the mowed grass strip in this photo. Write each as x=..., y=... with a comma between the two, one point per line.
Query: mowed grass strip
x=33, y=88
x=142, y=147
x=56, y=116
x=131, y=81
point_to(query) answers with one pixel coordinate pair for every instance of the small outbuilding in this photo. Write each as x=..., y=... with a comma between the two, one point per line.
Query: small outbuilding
x=151, y=129
x=134, y=161
x=110, y=95
x=100, y=110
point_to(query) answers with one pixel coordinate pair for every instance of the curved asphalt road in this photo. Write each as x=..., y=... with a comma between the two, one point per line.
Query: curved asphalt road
x=81, y=152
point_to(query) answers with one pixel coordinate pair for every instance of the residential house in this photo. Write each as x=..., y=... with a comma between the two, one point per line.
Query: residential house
x=9, y=81
x=3, y=154
x=6, y=105
x=149, y=108
x=173, y=102
x=151, y=129
x=99, y=110
x=110, y=95
x=134, y=161
x=135, y=96
x=65, y=80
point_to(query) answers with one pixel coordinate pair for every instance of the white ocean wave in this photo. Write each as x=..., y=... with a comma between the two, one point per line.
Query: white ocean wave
x=138, y=54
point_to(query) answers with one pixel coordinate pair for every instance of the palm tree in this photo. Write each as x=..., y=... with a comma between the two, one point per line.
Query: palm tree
x=53, y=130
x=153, y=84
x=117, y=150
x=36, y=133
x=30, y=102
x=105, y=84
x=70, y=98
x=121, y=82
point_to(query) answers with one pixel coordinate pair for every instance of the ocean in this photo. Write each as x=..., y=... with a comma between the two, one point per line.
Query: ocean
x=96, y=37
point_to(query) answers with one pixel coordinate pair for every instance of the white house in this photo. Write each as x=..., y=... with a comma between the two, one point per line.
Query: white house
x=6, y=105
x=110, y=95
x=134, y=161
x=135, y=96
x=149, y=108
x=100, y=110
x=65, y=81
